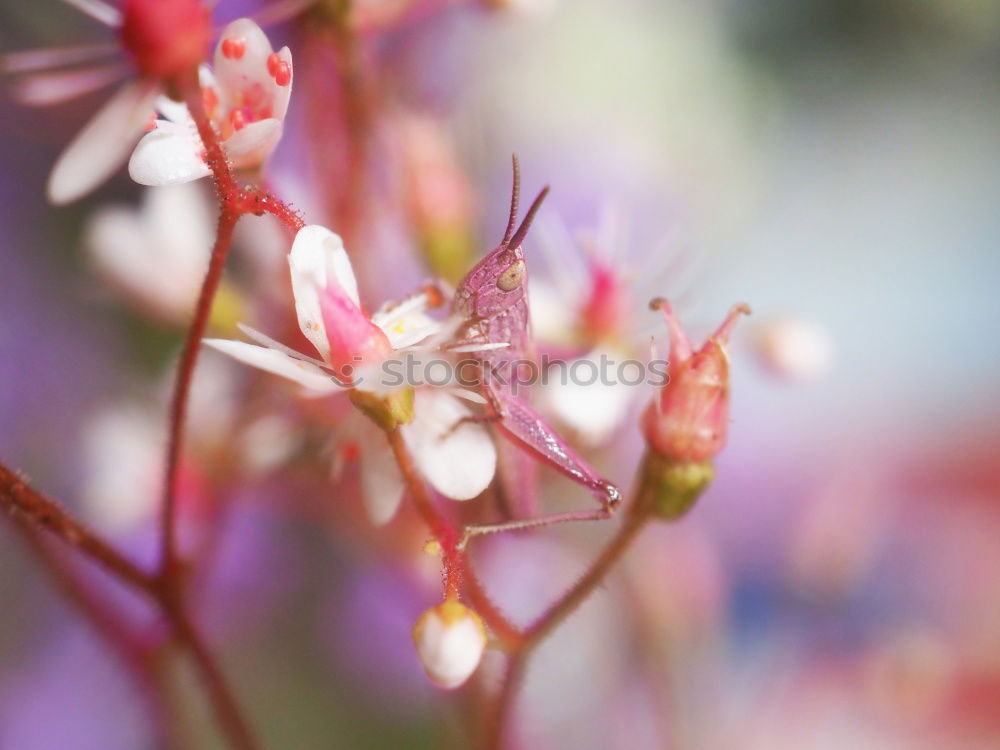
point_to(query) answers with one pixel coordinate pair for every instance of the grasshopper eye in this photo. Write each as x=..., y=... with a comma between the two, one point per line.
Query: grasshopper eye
x=512, y=276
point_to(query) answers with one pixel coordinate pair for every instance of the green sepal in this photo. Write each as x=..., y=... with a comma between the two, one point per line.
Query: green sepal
x=669, y=488
x=388, y=411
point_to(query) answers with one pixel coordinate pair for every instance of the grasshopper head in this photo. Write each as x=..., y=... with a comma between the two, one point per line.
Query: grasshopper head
x=500, y=280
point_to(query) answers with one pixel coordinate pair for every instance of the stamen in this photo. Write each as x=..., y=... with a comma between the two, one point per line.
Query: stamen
x=234, y=49
x=238, y=119
x=732, y=318
x=210, y=100
x=280, y=70
x=680, y=347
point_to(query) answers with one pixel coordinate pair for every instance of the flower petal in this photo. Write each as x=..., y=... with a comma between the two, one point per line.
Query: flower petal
x=318, y=255
x=381, y=483
x=43, y=89
x=405, y=323
x=175, y=111
x=277, y=363
x=594, y=410
x=103, y=144
x=458, y=462
x=247, y=78
x=168, y=155
x=250, y=147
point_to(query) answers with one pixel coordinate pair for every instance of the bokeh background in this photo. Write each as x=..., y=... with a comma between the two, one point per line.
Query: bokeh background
x=834, y=163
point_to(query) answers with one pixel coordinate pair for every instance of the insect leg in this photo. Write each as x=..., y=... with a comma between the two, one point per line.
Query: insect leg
x=529, y=429
x=601, y=514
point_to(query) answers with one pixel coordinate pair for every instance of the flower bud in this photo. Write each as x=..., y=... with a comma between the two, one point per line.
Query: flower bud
x=437, y=195
x=688, y=420
x=450, y=639
x=166, y=37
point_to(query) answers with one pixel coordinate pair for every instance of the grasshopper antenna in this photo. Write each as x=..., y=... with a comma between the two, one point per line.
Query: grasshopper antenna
x=528, y=218
x=514, y=200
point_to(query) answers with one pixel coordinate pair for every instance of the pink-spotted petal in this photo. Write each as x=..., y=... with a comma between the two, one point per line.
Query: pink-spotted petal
x=317, y=258
x=170, y=154
x=460, y=462
x=249, y=148
x=246, y=77
x=277, y=363
x=283, y=92
x=103, y=144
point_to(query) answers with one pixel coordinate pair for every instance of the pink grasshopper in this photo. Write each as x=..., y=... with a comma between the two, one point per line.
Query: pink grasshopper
x=492, y=300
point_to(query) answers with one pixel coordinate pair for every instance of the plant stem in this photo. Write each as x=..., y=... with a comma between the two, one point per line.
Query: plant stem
x=182, y=388
x=563, y=608
x=226, y=709
x=447, y=534
x=555, y=616
x=106, y=622
x=31, y=509
x=28, y=506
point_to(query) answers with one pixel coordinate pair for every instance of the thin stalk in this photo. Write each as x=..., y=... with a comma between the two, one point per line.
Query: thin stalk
x=227, y=711
x=554, y=616
x=169, y=564
x=29, y=506
x=107, y=623
x=458, y=571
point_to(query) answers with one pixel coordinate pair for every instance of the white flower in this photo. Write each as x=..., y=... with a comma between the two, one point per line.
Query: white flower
x=592, y=407
x=450, y=639
x=161, y=41
x=154, y=259
x=459, y=463
x=246, y=99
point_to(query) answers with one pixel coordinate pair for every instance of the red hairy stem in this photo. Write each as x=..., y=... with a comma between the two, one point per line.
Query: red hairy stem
x=30, y=507
x=576, y=595
x=32, y=510
x=233, y=203
x=457, y=570
x=169, y=563
x=106, y=623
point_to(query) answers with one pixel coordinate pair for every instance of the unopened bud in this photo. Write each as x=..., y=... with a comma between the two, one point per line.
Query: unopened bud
x=689, y=419
x=450, y=639
x=166, y=38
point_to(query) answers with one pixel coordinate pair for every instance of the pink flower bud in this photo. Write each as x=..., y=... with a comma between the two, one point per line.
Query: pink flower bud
x=688, y=420
x=354, y=340
x=166, y=37
x=450, y=639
